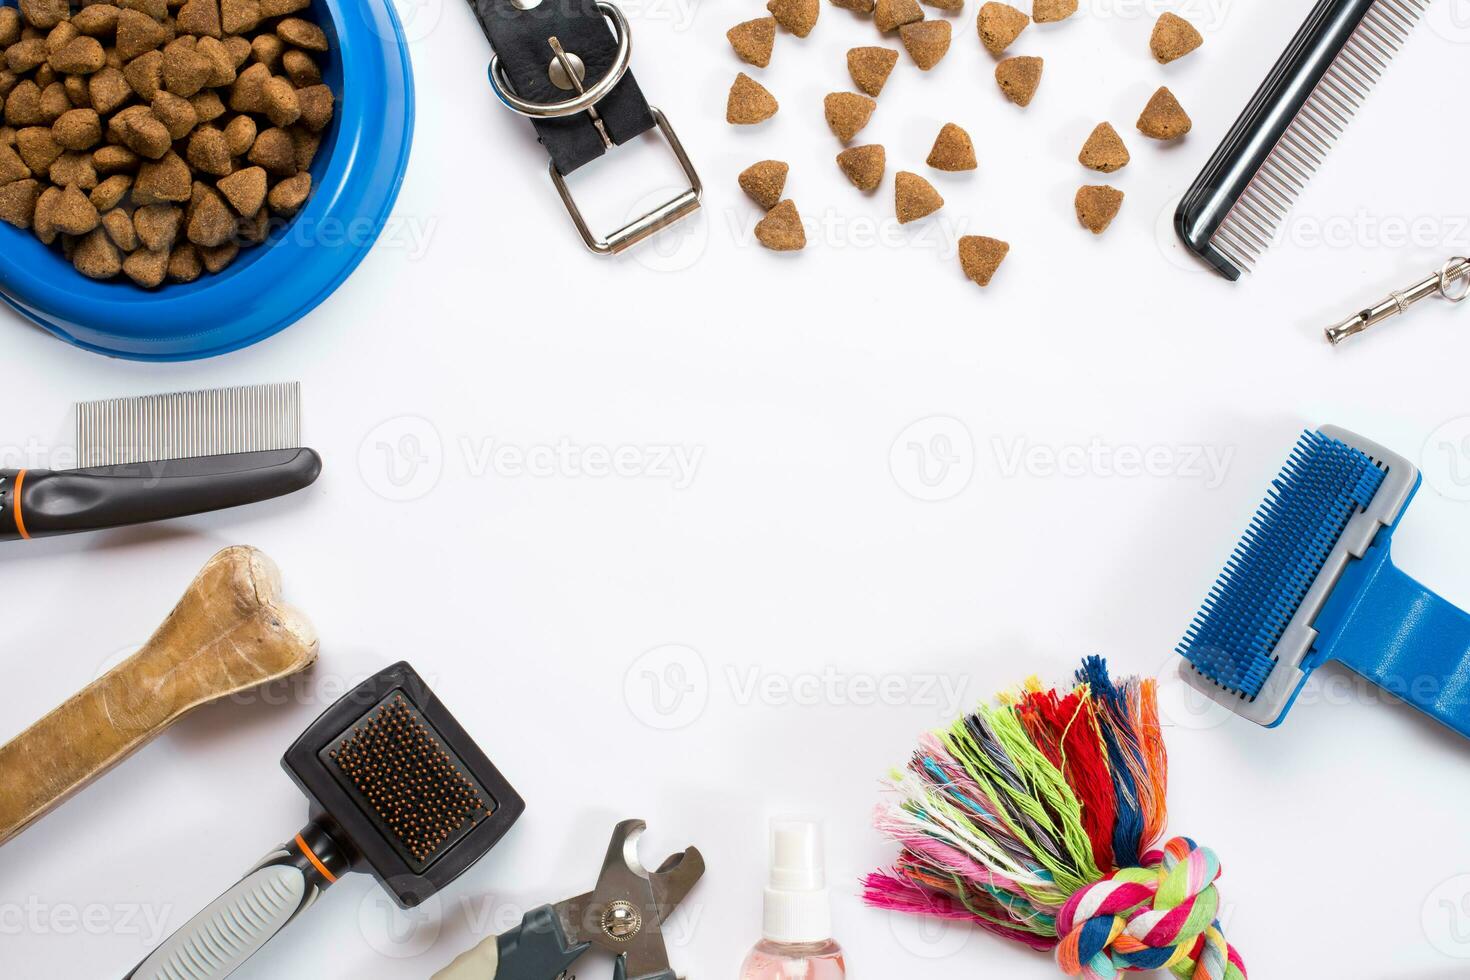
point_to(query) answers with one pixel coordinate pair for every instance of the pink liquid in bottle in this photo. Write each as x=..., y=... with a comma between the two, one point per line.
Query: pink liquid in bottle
x=798, y=941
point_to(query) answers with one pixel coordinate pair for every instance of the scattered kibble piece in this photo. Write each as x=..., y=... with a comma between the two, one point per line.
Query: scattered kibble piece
x=184, y=265
x=245, y=190
x=890, y=15
x=860, y=6
x=18, y=202
x=848, y=113
x=1104, y=150
x=1097, y=206
x=927, y=41
x=749, y=102
x=1173, y=38
x=754, y=40
x=120, y=229
x=781, y=229
x=304, y=34
x=75, y=214
x=914, y=197
x=158, y=226
x=870, y=68
x=953, y=151
x=980, y=257
x=96, y=257
x=1000, y=24
x=864, y=165
x=287, y=197
x=1019, y=78
x=797, y=16
x=952, y=6
x=146, y=268
x=12, y=167
x=110, y=192
x=1051, y=11
x=1164, y=118
x=765, y=181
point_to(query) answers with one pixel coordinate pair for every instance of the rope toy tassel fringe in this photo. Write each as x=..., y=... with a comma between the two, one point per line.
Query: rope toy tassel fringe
x=1034, y=820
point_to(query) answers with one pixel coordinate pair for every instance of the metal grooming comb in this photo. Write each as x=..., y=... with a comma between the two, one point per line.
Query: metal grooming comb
x=1232, y=213
x=163, y=456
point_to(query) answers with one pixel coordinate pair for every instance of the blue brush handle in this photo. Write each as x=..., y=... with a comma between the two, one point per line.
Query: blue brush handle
x=1382, y=624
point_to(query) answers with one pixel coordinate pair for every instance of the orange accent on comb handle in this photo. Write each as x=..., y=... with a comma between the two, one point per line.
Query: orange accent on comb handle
x=316, y=862
x=20, y=523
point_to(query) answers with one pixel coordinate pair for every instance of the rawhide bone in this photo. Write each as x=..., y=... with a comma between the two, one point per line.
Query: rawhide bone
x=230, y=632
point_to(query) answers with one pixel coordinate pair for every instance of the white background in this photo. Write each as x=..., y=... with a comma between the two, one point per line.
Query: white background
x=799, y=548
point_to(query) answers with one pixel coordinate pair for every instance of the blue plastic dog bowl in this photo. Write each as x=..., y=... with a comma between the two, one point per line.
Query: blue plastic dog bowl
x=355, y=180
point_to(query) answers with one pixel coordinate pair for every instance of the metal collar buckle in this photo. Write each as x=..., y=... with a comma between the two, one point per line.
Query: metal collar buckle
x=567, y=72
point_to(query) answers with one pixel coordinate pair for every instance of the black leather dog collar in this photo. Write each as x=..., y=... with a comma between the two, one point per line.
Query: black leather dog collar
x=522, y=38
x=564, y=65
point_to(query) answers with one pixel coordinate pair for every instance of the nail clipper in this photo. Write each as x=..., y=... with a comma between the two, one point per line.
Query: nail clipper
x=623, y=915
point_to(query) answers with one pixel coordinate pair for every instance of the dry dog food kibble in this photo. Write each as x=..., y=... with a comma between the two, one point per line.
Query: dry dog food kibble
x=858, y=6
x=1097, y=206
x=1019, y=78
x=953, y=151
x=864, y=166
x=749, y=102
x=1104, y=150
x=914, y=197
x=890, y=15
x=1164, y=118
x=848, y=113
x=1173, y=38
x=754, y=40
x=1000, y=24
x=765, y=181
x=797, y=16
x=980, y=257
x=870, y=68
x=154, y=138
x=927, y=41
x=781, y=229
x=1051, y=11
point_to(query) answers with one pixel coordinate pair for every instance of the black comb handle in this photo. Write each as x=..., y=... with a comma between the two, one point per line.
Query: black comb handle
x=230, y=930
x=40, y=503
x=1260, y=128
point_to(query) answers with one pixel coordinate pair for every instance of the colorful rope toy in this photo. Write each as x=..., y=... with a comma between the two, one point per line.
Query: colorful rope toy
x=1034, y=819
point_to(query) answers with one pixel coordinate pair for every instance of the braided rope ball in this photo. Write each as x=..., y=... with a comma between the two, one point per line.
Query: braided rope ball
x=1160, y=916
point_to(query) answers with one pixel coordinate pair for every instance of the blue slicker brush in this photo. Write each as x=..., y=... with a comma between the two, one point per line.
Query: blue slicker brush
x=1312, y=580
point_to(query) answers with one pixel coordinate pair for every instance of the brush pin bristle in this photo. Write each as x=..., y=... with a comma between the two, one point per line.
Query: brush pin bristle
x=187, y=424
x=1253, y=223
x=1324, y=483
x=419, y=794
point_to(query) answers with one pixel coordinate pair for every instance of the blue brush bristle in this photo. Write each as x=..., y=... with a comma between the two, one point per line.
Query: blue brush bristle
x=1323, y=484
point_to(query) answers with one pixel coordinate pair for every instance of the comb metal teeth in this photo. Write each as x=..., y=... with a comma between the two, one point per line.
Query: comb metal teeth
x=1255, y=220
x=185, y=424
